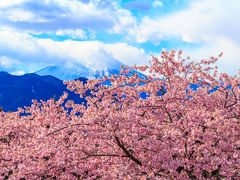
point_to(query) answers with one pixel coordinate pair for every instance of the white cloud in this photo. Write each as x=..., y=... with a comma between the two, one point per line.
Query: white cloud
x=211, y=24
x=127, y=54
x=9, y=64
x=38, y=53
x=52, y=15
x=157, y=3
x=16, y=15
x=201, y=22
x=230, y=62
x=124, y=22
x=78, y=33
x=90, y=53
x=9, y=3
x=5, y=62
x=13, y=42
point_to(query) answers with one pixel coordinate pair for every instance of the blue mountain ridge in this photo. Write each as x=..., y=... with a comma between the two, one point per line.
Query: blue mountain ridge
x=18, y=91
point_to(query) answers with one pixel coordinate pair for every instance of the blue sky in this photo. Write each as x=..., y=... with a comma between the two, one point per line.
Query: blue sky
x=38, y=33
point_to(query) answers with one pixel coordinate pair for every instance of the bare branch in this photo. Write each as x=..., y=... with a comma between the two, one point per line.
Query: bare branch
x=121, y=145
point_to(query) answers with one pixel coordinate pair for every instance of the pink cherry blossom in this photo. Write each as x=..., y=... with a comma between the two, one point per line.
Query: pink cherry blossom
x=180, y=134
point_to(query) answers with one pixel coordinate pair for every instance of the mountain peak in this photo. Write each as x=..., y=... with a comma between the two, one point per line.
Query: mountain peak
x=3, y=73
x=93, y=69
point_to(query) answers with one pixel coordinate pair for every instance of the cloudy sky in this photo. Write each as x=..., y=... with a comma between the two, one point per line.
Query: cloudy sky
x=38, y=33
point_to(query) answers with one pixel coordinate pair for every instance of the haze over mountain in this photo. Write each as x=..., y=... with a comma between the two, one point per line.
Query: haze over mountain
x=18, y=91
x=93, y=66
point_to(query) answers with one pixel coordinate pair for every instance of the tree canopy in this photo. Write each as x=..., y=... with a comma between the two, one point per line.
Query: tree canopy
x=179, y=133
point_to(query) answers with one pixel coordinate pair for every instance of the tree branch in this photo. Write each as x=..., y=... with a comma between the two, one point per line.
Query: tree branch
x=121, y=145
x=88, y=155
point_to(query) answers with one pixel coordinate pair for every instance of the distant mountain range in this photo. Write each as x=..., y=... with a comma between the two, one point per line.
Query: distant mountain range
x=18, y=91
x=70, y=71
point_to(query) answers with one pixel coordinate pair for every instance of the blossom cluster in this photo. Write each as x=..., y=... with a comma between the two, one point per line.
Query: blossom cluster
x=175, y=132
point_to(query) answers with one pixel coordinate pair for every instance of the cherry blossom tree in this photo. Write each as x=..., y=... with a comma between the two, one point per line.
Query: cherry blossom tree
x=173, y=132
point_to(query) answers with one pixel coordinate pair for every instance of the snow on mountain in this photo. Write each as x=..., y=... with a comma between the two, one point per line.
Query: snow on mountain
x=91, y=66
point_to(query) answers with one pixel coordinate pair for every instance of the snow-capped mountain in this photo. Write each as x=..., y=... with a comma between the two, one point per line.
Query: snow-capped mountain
x=91, y=67
x=69, y=71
